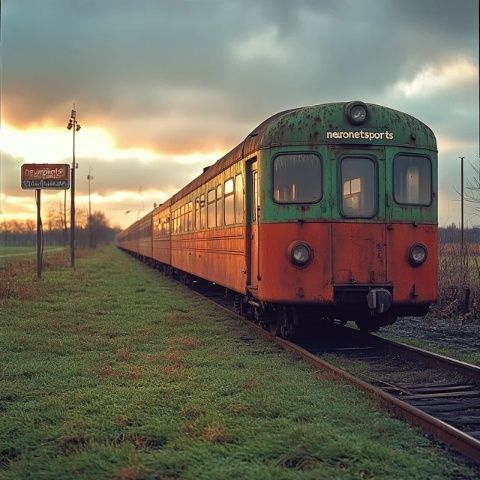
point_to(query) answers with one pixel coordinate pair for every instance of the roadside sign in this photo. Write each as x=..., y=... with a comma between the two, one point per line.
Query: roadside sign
x=49, y=176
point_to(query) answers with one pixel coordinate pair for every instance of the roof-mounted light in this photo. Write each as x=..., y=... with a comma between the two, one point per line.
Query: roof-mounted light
x=356, y=112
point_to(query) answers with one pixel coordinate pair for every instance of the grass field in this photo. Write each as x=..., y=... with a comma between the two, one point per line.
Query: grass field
x=17, y=253
x=114, y=372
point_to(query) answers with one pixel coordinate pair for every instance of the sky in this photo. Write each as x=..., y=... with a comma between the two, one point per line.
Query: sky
x=163, y=88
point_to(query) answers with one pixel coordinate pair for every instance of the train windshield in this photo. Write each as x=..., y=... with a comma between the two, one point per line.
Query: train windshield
x=297, y=178
x=412, y=177
x=358, y=187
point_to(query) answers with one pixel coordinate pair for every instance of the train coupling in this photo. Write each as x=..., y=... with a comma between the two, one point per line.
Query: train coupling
x=379, y=300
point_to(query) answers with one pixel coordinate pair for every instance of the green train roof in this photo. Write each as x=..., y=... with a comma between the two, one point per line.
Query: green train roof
x=324, y=124
x=328, y=123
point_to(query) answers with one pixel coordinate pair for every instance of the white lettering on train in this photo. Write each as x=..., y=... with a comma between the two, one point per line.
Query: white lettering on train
x=361, y=135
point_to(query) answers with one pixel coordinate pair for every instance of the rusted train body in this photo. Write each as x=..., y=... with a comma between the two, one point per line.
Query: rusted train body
x=322, y=212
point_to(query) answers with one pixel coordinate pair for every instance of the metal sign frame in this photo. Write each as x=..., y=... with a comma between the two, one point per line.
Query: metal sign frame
x=45, y=176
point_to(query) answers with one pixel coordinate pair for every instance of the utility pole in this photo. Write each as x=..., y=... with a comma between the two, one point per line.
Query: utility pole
x=461, y=203
x=75, y=127
x=90, y=178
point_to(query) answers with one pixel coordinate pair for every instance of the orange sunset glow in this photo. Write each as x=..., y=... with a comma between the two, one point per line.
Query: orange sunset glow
x=162, y=90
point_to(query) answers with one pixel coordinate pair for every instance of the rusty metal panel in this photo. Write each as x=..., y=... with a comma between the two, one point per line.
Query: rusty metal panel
x=217, y=255
x=280, y=280
x=412, y=284
x=359, y=253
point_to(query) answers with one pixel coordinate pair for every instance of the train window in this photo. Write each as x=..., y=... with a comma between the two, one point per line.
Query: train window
x=358, y=187
x=197, y=213
x=211, y=208
x=190, y=216
x=254, y=195
x=239, y=198
x=219, y=205
x=229, y=202
x=203, y=217
x=412, y=180
x=297, y=178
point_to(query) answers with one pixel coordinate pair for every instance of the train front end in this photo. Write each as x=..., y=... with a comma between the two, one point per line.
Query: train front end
x=347, y=224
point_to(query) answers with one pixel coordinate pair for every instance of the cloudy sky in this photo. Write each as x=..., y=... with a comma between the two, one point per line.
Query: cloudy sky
x=163, y=88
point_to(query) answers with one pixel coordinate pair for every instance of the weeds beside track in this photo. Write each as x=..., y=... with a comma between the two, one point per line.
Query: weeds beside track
x=115, y=372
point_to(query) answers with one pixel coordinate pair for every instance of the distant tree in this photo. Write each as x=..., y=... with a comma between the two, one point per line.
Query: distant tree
x=472, y=189
x=23, y=233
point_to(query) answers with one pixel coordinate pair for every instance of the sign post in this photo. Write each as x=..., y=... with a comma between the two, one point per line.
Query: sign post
x=39, y=233
x=49, y=176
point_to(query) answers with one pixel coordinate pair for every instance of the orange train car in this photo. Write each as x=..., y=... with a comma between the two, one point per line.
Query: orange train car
x=322, y=212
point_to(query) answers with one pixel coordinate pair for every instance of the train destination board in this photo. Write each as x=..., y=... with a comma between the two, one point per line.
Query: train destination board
x=51, y=176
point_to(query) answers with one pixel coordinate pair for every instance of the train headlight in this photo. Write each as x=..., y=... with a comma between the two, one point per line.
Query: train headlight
x=357, y=112
x=417, y=254
x=300, y=254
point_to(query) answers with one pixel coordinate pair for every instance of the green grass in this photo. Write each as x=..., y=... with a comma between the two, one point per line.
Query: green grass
x=12, y=254
x=4, y=251
x=116, y=372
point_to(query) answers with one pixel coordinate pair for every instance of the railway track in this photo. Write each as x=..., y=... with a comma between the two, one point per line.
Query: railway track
x=441, y=395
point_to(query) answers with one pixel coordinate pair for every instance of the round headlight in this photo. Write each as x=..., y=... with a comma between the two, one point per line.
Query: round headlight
x=300, y=254
x=357, y=112
x=417, y=254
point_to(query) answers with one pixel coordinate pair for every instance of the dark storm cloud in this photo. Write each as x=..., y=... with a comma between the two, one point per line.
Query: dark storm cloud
x=198, y=65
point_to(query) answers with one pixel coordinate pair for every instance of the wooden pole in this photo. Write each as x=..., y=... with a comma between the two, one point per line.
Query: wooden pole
x=72, y=203
x=39, y=234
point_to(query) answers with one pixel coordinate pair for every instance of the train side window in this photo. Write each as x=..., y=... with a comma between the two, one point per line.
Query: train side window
x=203, y=218
x=219, y=205
x=229, y=202
x=359, y=197
x=412, y=180
x=190, y=216
x=239, y=198
x=197, y=213
x=211, y=208
x=297, y=178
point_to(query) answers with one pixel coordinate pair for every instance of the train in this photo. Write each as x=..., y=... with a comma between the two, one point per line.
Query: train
x=322, y=213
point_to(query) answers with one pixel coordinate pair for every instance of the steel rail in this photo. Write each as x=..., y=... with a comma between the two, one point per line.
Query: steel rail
x=449, y=435
x=466, y=369
x=458, y=440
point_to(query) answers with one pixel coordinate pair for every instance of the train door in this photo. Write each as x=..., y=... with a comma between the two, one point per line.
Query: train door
x=253, y=211
x=359, y=248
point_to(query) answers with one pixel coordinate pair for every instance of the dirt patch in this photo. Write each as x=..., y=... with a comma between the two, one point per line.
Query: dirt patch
x=188, y=342
x=216, y=433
